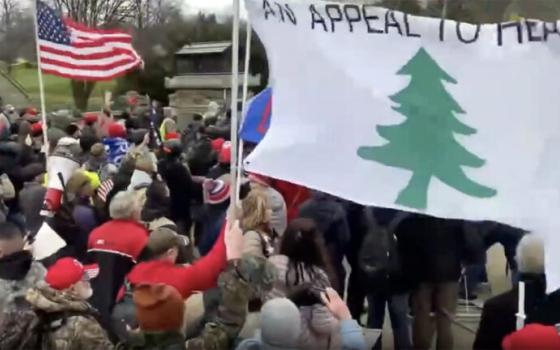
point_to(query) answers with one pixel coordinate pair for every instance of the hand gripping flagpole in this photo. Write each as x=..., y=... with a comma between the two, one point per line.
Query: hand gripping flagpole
x=41, y=86
x=249, y=33
x=234, y=112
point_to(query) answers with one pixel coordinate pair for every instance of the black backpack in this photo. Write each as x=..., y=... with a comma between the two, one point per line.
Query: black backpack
x=378, y=257
x=123, y=316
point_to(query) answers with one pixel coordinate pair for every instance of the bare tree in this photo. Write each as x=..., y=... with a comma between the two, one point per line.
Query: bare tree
x=9, y=12
x=96, y=13
x=154, y=12
x=9, y=9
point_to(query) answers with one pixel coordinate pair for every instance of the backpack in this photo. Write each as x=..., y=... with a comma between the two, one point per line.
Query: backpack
x=63, y=221
x=123, y=316
x=24, y=328
x=378, y=256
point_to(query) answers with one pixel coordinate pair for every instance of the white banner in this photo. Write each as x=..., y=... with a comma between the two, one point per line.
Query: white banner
x=382, y=108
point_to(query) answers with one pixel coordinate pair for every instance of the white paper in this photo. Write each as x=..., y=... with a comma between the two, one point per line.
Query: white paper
x=47, y=242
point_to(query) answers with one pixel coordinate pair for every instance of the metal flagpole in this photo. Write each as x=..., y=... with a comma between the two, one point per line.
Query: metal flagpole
x=41, y=86
x=234, y=112
x=520, y=315
x=249, y=33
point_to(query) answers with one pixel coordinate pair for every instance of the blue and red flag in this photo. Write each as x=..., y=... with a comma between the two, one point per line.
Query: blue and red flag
x=257, y=118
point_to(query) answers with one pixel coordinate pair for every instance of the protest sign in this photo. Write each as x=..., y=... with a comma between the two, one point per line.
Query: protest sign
x=422, y=114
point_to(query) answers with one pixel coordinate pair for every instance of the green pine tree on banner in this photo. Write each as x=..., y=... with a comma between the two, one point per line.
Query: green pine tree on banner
x=424, y=142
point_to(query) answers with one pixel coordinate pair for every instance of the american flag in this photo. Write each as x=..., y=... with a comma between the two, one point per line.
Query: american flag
x=71, y=50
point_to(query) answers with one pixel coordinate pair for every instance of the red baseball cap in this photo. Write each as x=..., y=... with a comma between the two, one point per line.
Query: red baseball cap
x=90, y=117
x=36, y=129
x=116, y=130
x=68, y=271
x=533, y=336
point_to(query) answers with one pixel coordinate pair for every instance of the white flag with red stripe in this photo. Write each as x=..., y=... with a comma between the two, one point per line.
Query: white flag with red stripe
x=71, y=50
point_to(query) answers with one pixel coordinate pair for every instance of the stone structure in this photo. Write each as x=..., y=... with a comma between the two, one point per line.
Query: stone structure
x=203, y=75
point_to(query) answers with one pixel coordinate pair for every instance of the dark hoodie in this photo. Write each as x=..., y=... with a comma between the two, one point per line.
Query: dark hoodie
x=21, y=166
x=179, y=182
x=157, y=203
x=330, y=217
x=156, y=209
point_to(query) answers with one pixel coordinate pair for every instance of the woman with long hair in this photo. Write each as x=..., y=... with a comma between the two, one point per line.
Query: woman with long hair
x=303, y=273
x=259, y=238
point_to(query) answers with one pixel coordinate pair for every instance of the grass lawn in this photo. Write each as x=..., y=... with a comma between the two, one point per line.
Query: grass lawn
x=58, y=93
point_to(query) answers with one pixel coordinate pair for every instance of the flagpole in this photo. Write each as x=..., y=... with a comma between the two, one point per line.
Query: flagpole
x=520, y=315
x=249, y=33
x=234, y=93
x=41, y=86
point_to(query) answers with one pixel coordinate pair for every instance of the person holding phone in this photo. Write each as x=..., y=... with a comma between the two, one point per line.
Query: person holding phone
x=304, y=273
x=281, y=322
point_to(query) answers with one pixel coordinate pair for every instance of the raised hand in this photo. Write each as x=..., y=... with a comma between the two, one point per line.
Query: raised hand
x=336, y=305
x=233, y=240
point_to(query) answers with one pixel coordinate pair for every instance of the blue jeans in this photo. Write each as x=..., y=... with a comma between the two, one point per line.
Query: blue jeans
x=398, y=312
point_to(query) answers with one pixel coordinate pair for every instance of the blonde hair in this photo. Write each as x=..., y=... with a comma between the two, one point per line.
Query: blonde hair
x=254, y=207
x=530, y=254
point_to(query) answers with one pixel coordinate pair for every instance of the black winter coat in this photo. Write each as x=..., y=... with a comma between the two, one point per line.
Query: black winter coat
x=181, y=187
x=433, y=249
x=330, y=218
x=113, y=269
x=498, y=315
x=548, y=311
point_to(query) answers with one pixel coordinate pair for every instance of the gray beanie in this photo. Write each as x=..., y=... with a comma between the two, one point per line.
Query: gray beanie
x=280, y=325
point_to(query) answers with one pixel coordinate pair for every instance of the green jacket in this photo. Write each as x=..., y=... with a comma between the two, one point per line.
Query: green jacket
x=156, y=341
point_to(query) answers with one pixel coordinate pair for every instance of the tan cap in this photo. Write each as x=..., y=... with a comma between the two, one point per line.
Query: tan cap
x=163, y=238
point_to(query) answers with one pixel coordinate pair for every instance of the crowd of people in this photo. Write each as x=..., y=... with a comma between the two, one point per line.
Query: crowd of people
x=157, y=256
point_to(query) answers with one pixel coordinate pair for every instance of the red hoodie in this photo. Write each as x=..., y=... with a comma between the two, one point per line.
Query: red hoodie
x=200, y=276
x=294, y=196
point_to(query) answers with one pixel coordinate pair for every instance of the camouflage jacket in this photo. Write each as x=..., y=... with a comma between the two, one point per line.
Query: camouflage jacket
x=155, y=341
x=80, y=330
x=11, y=290
x=237, y=285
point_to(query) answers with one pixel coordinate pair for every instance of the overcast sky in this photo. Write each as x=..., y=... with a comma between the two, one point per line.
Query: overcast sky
x=222, y=7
